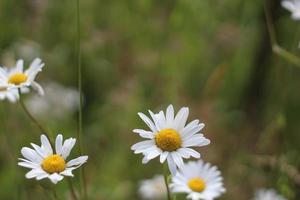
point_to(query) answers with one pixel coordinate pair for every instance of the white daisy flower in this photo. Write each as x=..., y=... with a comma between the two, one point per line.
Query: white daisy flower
x=170, y=138
x=44, y=163
x=293, y=6
x=17, y=78
x=267, y=194
x=199, y=180
x=154, y=188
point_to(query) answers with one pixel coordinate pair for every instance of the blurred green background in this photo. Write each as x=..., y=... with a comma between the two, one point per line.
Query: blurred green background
x=212, y=56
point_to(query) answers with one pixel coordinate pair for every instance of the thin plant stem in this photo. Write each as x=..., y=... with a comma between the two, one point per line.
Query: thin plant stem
x=55, y=196
x=166, y=174
x=276, y=48
x=32, y=118
x=79, y=131
x=72, y=191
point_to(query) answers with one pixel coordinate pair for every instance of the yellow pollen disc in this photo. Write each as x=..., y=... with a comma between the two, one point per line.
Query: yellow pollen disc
x=196, y=184
x=17, y=78
x=168, y=140
x=54, y=164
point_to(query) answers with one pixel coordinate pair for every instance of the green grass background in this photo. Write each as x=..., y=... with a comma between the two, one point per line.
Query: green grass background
x=211, y=55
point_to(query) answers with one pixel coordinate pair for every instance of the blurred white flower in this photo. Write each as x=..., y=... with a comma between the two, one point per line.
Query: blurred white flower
x=170, y=138
x=17, y=78
x=11, y=95
x=267, y=194
x=44, y=163
x=58, y=101
x=293, y=6
x=199, y=180
x=26, y=49
x=154, y=188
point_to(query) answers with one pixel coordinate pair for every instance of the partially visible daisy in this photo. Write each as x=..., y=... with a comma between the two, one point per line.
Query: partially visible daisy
x=44, y=163
x=154, y=188
x=170, y=138
x=267, y=194
x=17, y=78
x=52, y=104
x=199, y=180
x=293, y=6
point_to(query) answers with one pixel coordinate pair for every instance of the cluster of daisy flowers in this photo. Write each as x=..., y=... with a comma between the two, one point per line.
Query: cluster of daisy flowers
x=172, y=140
x=169, y=138
x=47, y=160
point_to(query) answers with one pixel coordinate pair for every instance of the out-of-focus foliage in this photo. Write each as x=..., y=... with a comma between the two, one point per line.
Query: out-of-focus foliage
x=213, y=56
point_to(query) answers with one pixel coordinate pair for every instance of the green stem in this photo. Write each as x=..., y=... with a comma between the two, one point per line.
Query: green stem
x=33, y=119
x=79, y=132
x=275, y=46
x=55, y=196
x=72, y=191
x=166, y=174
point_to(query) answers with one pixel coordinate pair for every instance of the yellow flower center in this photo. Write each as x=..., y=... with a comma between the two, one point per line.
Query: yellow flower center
x=168, y=140
x=196, y=184
x=17, y=78
x=54, y=164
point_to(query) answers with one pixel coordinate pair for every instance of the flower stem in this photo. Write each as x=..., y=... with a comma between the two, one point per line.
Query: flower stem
x=72, y=191
x=32, y=118
x=55, y=196
x=79, y=66
x=275, y=46
x=166, y=174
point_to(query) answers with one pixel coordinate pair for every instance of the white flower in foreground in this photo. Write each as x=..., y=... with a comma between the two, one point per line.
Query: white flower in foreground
x=154, y=188
x=44, y=163
x=17, y=78
x=52, y=104
x=170, y=138
x=199, y=180
x=267, y=194
x=293, y=6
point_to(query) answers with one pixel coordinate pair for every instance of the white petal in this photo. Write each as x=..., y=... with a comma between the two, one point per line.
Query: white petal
x=31, y=155
x=153, y=153
x=68, y=172
x=144, y=134
x=39, y=150
x=163, y=156
x=46, y=146
x=155, y=118
x=37, y=87
x=170, y=114
x=28, y=164
x=148, y=122
x=35, y=67
x=181, y=118
x=34, y=173
x=67, y=147
x=142, y=145
x=172, y=165
x=77, y=162
x=145, y=160
x=42, y=176
x=288, y=5
x=196, y=140
x=177, y=159
x=55, y=178
x=187, y=153
x=19, y=66
x=58, y=144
